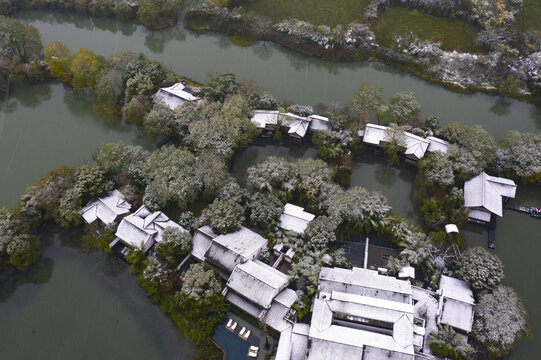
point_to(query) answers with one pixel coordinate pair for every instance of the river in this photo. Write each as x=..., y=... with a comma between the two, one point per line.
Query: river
x=44, y=126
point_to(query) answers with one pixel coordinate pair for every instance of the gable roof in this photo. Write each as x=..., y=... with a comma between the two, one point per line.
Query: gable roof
x=201, y=241
x=294, y=218
x=319, y=123
x=415, y=145
x=106, y=208
x=144, y=227
x=230, y=249
x=297, y=125
x=364, y=282
x=174, y=96
x=257, y=282
x=486, y=191
x=437, y=144
x=262, y=118
x=456, y=304
x=374, y=134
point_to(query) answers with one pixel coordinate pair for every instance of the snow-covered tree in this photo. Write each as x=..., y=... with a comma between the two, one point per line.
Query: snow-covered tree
x=481, y=269
x=447, y=343
x=200, y=283
x=500, y=321
x=265, y=210
x=174, y=245
x=225, y=215
x=403, y=107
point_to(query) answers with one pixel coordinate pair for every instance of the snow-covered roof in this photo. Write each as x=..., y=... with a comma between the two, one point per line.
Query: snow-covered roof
x=374, y=134
x=279, y=308
x=486, y=192
x=456, y=305
x=297, y=125
x=201, y=241
x=174, y=96
x=479, y=215
x=366, y=282
x=245, y=305
x=144, y=228
x=437, y=144
x=257, y=282
x=415, y=145
x=319, y=123
x=228, y=250
x=262, y=118
x=106, y=208
x=294, y=218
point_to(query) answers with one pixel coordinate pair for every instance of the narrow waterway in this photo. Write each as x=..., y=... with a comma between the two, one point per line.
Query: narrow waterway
x=44, y=126
x=285, y=74
x=72, y=305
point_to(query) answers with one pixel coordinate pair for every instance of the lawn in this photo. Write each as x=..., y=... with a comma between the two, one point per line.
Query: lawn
x=451, y=33
x=317, y=12
x=529, y=18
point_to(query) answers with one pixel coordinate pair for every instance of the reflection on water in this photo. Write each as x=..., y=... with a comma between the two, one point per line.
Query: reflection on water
x=38, y=273
x=76, y=306
x=285, y=74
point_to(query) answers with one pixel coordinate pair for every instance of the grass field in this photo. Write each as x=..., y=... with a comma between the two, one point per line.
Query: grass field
x=452, y=34
x=530, y=16
x=317, y=12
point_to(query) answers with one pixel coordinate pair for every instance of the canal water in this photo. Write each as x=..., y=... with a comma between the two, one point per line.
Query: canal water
x=77, y=306
x=47, y=125
x=285, y=74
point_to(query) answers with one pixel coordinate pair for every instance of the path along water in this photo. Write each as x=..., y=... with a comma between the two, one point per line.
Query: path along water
x=44, y=126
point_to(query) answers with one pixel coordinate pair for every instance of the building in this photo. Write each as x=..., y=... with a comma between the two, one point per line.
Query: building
x=265, y=119
x=226, y=251
x=174, y=96
x=358, y=314
x=456, y=306
x=437, y=144
x=107, y=208
x=261, y=291
x=320, y=123
x=296, y=126
x=415, y=146
x=294, y=218
x=143, y=228
x=485, y=194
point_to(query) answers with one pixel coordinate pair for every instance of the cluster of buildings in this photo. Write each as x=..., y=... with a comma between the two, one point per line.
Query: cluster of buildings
x=296, y=126
x=356, y=314
x=141, y=230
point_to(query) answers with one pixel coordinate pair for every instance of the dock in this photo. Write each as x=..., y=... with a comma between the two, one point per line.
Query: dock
x=532, y=210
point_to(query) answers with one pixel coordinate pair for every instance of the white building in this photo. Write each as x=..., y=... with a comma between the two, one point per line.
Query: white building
x=456, y=305
x=107, y=208
x=294, y=218
x=484, y=195
x=415, y=146
x=228, y=250
x=358, y=314
x=174, y=96
x=297, y=125
x=143, y=228
x=318, y=122
x=265, y=119
x=437, y=144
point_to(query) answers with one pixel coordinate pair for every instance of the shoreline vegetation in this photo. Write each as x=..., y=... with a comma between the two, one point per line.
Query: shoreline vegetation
x=506, y=59
x=193, y=174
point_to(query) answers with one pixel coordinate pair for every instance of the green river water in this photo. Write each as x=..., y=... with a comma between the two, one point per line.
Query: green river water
x=77, y=306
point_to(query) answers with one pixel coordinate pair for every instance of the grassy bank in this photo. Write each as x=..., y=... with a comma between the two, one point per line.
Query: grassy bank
x=529, y=18
x=319, y=12
x=452, y=34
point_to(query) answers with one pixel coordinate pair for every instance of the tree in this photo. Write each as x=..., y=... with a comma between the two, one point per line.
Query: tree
x=58, y=57
x=170, y=177
x=19, y=39
x=117, y=159
x=17, y=247
x=319, y=233
x=265, y=210
x=200, y=301
x=101, y=8
x=500, y=321
x=122, y=10
x=174, y=245
x=368, y=98
x=214, y=174
x=163, y=121
x=329, y=143
x=225, y=215
x=395, y=142
x=84, y=68
x=510, y=86
x=520, y=156
x=480, y=269
x=148, y=12
x=272, y=174
x=135, y=110
x=402, y=107
x=108, y=92
x=436, y=170
x=218, y=87
x=447, y=343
